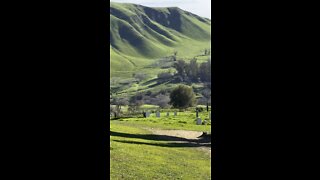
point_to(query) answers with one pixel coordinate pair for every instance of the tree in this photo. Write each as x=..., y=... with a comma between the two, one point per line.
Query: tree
x=140, y=76
x=174, y=56
x=136, y=101
x=180, y=66
x=206, y=93
x=175, y=53
x=193, y=70
x=119, y=102
x=162, y=100
x=207, y=52
x=205, y=71
x=182, y=97
x=164, y=75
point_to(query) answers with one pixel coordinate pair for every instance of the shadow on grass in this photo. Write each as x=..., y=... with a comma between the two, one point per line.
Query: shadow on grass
x=179, y=142
x=148, y=136
x=188, y=144
x=126, y=117
x=115, y=119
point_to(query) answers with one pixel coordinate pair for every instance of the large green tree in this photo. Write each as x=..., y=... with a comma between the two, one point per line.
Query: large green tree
x=193, y=70
x=182, y=97
x=205, y=71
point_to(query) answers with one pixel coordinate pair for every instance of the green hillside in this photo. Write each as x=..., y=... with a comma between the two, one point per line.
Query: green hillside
x=141, y=35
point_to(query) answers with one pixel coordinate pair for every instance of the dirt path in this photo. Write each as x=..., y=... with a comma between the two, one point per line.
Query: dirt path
x=188, y=135
x=177, y=133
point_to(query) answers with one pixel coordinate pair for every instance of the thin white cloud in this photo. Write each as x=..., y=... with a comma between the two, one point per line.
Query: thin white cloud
x=199, y=7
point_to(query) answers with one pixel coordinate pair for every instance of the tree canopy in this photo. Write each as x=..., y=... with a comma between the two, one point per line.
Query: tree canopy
x=182, y=97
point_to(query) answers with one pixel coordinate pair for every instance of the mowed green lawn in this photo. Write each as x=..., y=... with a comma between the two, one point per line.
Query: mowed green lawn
x=183, y=121
x=136, y=153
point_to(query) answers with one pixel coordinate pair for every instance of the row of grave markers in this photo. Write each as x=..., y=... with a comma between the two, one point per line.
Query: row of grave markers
x=199, y=121
x=175, y=114
x=158, y=114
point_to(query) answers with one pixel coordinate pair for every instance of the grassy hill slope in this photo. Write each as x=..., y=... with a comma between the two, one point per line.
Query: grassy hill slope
x=141, y=35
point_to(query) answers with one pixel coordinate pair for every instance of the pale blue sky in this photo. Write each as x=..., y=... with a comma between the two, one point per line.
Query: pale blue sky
x=199, y=7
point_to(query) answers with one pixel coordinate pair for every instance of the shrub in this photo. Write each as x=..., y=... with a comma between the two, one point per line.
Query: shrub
x=182, y=97
x=199, y=109
x=164, y=75
x=140, y=76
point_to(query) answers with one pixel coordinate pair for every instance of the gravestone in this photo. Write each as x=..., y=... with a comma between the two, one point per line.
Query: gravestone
x=167, y=113
x=175, y=113
x=147, y=114
x=199, y=122
x=158, y=114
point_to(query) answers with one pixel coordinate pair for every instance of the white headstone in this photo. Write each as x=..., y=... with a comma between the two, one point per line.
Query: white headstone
x=147, y=114
x=158, y=114
x=175, y=113
x=199, y=122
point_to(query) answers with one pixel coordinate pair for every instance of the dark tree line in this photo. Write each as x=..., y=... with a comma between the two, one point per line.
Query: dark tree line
x=193, y=71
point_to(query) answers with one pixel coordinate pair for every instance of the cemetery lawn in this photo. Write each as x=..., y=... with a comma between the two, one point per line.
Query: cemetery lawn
x=136, y=153
x=183, y=121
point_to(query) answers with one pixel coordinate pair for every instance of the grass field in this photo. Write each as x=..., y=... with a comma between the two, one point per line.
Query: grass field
x=137, y=153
